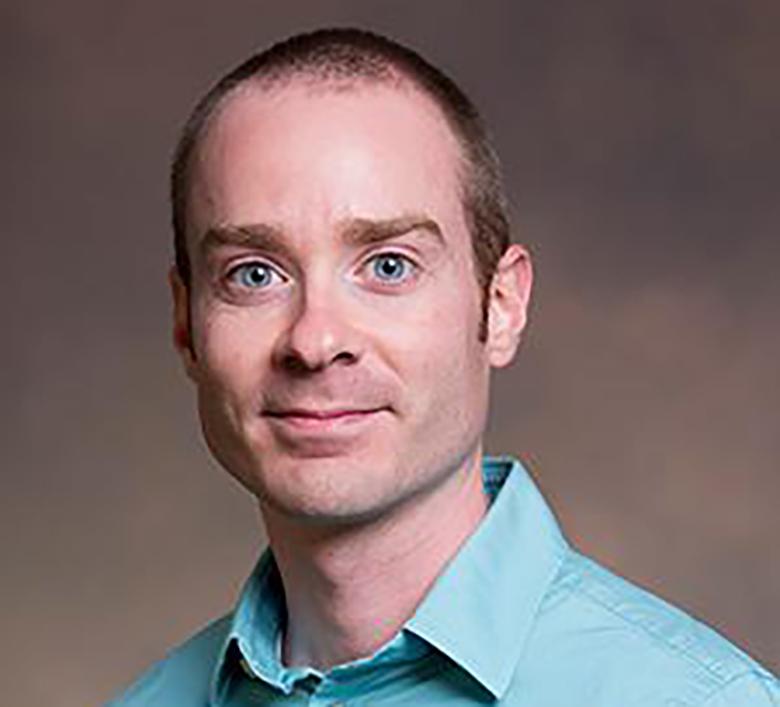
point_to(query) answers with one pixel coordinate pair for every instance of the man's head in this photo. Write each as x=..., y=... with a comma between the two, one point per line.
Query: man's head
x=331, y=313
x=343, y=58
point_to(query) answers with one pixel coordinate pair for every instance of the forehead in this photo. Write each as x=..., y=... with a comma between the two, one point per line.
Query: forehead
x=303, y=156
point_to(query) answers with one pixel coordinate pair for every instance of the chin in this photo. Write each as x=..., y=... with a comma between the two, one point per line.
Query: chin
x=328, y=490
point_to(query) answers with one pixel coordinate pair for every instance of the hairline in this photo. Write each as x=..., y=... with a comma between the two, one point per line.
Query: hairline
x=478, y=178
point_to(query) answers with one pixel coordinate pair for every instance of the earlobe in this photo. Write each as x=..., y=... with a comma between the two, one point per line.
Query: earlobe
x=510, y=294
x=182, y=329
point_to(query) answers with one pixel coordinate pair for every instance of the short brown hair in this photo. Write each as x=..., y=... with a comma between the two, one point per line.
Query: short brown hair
x=346, y=55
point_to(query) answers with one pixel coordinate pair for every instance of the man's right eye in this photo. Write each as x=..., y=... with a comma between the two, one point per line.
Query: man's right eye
x=254, y=275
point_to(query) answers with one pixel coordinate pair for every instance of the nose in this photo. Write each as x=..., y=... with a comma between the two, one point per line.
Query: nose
x=321, y=334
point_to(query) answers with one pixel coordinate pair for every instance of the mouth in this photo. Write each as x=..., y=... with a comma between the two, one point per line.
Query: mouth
x=316, y=419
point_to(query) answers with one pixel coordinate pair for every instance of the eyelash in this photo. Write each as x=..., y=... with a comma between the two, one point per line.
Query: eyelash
x=231, y=276
x=232, y=273
x=409, y=263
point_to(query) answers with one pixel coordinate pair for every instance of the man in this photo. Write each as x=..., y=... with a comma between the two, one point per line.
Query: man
x=343, y=285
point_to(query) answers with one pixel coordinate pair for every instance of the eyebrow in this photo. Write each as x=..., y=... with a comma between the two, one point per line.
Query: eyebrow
x=257, y=235
x=354, y=232
x=360, y=231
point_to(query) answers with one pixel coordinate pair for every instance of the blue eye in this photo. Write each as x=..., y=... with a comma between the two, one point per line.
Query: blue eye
x=254, y=276
x=392, y=267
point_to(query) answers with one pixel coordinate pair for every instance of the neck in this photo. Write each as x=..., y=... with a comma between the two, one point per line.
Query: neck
x=350, y=589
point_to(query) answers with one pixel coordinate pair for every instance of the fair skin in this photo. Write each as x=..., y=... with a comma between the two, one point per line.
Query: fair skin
x=332, y=331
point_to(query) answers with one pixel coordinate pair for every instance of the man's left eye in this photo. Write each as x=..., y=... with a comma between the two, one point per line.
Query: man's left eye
x=392, y=267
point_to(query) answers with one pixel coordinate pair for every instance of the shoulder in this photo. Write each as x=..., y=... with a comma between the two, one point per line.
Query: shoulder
x=183, y=677
x=622, y=643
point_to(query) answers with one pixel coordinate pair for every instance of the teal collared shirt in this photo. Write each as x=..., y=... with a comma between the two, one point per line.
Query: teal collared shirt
x=517, y=618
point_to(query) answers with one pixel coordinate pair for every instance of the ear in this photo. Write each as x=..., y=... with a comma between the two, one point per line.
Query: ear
x=509, y=295
x=182, y=330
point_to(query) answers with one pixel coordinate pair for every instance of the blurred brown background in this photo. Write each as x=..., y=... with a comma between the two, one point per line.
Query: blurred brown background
x=640, y=145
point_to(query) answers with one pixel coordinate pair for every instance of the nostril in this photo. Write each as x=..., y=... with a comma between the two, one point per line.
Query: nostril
x=344, y=357
x=294, y=363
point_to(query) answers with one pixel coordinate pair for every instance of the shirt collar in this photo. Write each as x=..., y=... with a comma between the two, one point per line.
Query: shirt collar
x=479, y=612
x=255, y=628
x=482, y=608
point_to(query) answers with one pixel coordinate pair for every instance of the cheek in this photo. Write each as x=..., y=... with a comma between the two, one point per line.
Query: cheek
x=445, y=357
x=231, y=347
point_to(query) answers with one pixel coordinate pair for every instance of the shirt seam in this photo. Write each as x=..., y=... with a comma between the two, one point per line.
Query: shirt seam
x=719, y=678
x=760, y=676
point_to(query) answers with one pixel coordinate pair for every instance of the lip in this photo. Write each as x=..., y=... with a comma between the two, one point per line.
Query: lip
x=315, y=420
